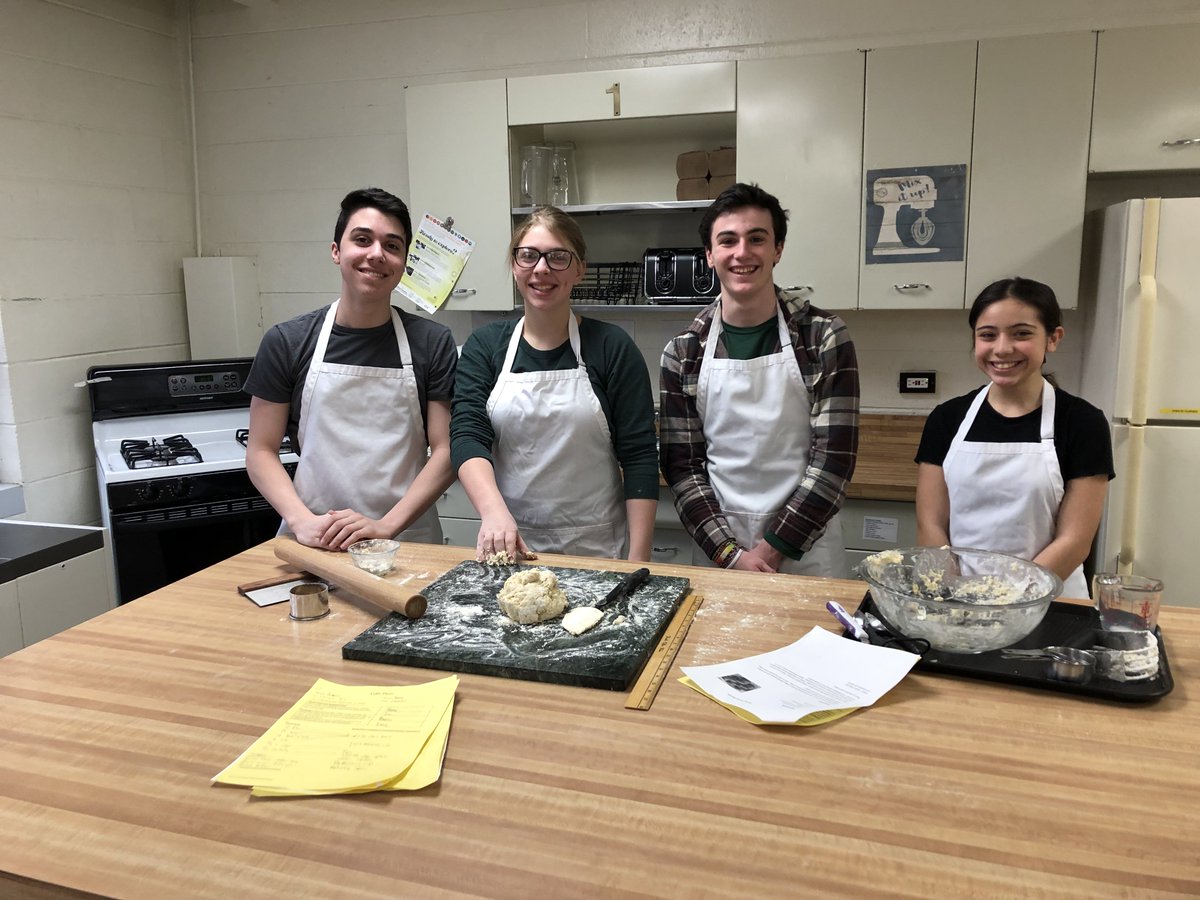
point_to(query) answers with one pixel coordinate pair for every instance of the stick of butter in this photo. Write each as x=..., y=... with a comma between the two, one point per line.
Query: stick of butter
x=580, y=619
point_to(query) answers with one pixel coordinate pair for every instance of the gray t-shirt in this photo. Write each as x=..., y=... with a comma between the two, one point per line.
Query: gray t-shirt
x=283, y=358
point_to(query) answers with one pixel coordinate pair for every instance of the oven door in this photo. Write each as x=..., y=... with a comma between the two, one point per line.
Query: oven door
x=189, y=525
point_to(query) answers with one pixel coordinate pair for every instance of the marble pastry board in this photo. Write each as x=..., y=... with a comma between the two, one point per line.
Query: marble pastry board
x=463, y=630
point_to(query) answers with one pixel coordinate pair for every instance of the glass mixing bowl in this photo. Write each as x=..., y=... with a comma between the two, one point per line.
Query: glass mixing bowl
x=958, y=599
x=375, y=556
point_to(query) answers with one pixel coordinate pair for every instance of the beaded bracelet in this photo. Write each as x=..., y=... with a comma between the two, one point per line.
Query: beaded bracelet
x=726, y=554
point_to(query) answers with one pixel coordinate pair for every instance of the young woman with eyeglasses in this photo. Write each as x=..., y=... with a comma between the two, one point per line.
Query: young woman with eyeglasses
x=552, y=424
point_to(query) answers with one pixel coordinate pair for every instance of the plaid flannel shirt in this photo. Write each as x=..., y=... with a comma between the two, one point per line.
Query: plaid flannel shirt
x=829, y=367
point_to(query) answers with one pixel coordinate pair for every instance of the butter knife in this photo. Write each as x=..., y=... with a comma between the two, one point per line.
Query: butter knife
x=625, y=587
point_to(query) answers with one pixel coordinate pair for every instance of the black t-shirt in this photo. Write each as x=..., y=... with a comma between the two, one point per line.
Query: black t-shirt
x=1081, y=437
x=282, y=362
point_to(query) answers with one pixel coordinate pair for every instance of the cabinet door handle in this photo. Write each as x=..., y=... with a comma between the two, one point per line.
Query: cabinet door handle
x=1182, y=142
x=615, y=90
x=670, y=551
x=463, y=292
x=799, y=287
x=912, y=286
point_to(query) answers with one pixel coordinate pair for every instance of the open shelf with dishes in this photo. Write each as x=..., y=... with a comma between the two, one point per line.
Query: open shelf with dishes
x=621, y=165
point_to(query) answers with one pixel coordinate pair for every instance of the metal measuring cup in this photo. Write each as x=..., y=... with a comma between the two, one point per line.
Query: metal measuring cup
x=1063, y=663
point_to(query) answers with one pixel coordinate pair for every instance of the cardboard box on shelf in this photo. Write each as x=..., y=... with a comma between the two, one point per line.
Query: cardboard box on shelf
x=722, y=161
x=718, y=183
x=692, y=164
x=692, y=189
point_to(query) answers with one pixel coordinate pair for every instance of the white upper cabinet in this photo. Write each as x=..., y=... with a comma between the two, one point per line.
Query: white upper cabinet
x=1147, y=109
x=458, y=167
x=799, y=136
x=622, y=94
x=1029, y=163
x=916, y=156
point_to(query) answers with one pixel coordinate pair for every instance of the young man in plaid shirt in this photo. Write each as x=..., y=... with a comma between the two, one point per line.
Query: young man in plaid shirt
x=758, y=428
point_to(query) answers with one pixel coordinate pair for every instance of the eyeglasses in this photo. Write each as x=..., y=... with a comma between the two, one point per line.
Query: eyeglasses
x=528, y=257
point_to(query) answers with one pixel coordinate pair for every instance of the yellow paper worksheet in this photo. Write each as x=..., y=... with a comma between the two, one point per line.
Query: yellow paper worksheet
x=435, y=261
x=349, y=739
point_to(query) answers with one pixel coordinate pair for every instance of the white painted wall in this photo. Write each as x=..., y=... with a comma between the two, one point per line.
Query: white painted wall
x=296, y=101
x=95, y=216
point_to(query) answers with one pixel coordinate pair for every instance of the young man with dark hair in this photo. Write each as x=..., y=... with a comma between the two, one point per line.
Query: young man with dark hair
x=758, y=427
x=363, y=389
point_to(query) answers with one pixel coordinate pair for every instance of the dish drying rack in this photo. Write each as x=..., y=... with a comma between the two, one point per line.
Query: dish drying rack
x=613, y=283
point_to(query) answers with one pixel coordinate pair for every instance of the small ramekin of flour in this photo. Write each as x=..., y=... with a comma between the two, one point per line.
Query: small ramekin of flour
x=376, y=556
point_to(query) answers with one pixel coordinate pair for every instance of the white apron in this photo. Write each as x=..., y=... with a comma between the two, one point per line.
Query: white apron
x=758, y=432
x=362, y=437
x=554, y=459
x=1005, y=497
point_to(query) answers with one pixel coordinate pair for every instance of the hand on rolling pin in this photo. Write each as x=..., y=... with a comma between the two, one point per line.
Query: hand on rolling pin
x=311, y=531
x=346, y=527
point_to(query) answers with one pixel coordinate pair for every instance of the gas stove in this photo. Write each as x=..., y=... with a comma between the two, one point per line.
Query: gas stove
x=170, y=442
x=175, y=444
x=170, y=451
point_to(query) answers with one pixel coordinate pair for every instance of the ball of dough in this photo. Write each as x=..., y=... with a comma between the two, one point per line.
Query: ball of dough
x=532, y=595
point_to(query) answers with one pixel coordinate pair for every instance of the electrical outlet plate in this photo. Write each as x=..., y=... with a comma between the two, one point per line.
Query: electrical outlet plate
x=918, y=382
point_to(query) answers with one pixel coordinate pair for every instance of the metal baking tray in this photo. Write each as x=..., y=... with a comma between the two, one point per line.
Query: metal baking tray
x=1065, y=625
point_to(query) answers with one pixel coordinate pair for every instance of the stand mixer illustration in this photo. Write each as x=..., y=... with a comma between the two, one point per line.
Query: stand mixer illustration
x=892, y=192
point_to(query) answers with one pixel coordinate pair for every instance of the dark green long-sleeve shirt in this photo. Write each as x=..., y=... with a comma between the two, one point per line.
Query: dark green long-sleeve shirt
x=618, y=376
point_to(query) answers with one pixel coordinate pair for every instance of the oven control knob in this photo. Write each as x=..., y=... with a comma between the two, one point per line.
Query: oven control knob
x=147, y=491
x=181, y=488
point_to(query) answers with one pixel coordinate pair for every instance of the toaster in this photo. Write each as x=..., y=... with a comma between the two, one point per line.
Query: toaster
x=679, y=275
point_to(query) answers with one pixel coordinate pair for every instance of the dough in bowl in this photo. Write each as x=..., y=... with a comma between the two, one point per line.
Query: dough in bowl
x=532, y=595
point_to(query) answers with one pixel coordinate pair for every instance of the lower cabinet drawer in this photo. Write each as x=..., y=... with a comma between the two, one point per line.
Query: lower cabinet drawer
x=460, y=532
x=878, y=524
x=455, y=504
x=672, y=545
x=869, y=526
x=10, y=619
x=853, y=559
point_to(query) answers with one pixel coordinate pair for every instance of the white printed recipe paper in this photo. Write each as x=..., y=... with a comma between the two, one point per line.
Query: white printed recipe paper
x=435, y=260
x=821, y=675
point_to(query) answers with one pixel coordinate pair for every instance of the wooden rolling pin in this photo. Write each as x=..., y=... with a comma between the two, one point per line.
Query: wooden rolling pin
x=338, y=568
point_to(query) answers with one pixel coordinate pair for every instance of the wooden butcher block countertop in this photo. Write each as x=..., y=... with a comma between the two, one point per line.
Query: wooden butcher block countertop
x=947, y=787
x=885, y=470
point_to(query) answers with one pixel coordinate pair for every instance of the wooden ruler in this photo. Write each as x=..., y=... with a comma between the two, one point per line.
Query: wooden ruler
x=654, y=673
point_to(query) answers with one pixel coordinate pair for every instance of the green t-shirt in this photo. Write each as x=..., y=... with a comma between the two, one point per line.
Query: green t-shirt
x=618, y=375
x=752, y=342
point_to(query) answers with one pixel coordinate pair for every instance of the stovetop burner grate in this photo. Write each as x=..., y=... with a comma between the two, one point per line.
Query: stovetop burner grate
x=243, y=437
x=175, y=450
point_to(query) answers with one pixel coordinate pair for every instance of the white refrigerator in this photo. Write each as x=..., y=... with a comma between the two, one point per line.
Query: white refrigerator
x=1141, y=366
